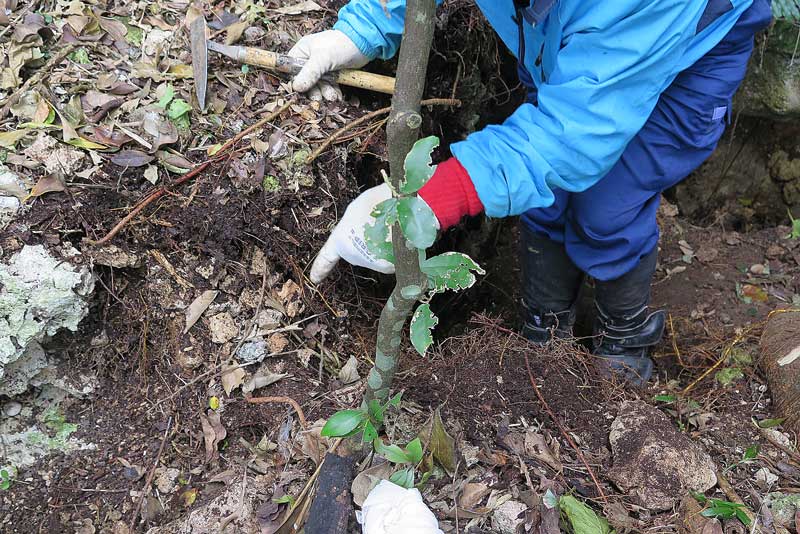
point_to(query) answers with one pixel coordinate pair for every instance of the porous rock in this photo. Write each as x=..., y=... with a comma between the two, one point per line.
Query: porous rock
x=39, y=295
x=653, y=461
x=508, y=516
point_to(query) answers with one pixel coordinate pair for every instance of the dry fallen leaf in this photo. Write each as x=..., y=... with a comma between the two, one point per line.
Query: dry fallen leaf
x=536, y=447
x=349, y=372
x=47, y=184
x=131, y=158
x=197, y=307
x=213, y=433
x=232, y=378
x=297, y=9
x=472, y=494
x=262, y=378
x=439, y=442
x=367, y=479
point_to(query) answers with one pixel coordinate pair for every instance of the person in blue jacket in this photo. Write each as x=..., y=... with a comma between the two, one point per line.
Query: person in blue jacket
x=625, y=99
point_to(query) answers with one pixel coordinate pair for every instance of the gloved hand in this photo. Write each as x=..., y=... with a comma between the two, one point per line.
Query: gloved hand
x=449, y=193
x=347, y=239
x=324, y=52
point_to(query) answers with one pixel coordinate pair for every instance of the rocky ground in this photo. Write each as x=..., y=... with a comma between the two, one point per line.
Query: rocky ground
x=133, y=360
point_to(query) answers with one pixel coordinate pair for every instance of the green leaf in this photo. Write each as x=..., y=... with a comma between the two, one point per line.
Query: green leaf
x=751, y=452
x=392, y=452
x=403, y=478
x=80, y=142
x=417, y=221
x=771, y=423
x=414, y=450
x=451, y=270
x=375, y=411
x=728, y=376
x=5, y=479
x=422, y=324
x=395, y=401
x=724, y=512
x=376, y=234
x=370, y=433
x=665, y=398
x=80, y=56
x=285, y=499
x=343, y=422
x=169, y=94
x=742, y=516
x=178, y=112
x=581, y=517
x=417, y=165
x=550, y=500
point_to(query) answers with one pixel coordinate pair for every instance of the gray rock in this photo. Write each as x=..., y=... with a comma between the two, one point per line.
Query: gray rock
x=653, y=461
x=39, y=295
x=508, y=516
x=167, y=479
x=772, y=86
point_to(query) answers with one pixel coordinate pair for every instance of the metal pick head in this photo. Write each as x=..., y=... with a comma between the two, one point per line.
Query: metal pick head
x=197, y=38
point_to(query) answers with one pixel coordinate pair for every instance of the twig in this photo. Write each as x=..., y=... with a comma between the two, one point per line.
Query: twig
x=189, y=175
x=285, y=400
x=219, y=369
x=371, y=115
x=793, y=455
x=36, y=77
x=235, y=515
x=150, y=476
x=563, y=430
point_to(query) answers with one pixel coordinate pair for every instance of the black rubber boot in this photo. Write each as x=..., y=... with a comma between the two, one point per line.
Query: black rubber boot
x=550, y=285
x=625, y=330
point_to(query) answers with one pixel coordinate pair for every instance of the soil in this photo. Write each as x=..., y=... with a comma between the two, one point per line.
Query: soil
x=146, y=366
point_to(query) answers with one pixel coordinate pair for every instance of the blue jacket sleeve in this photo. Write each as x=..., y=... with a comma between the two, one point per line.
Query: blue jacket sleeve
x=376, y=30
x=604, y=84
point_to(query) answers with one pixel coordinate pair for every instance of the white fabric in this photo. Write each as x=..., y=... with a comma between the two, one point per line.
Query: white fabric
x=324, y=52
x=347, y=239
x=391, y=509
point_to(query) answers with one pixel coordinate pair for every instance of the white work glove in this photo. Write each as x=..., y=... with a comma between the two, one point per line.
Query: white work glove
x=324, y=52
x=391, y=509
x=347, y=239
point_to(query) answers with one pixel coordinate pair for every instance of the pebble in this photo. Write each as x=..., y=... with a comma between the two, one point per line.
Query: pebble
x=12, y=409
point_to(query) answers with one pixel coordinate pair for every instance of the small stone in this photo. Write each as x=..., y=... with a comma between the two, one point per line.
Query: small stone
x=222, y=327
x=508, y=516
x=12, y=409
x=277, y=343
x=653, y=461
x=167, y=479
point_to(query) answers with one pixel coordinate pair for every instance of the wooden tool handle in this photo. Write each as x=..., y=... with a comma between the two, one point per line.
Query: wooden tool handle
x=349, y=77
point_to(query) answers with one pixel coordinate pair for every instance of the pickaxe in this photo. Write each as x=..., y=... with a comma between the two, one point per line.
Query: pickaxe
x=271, y=60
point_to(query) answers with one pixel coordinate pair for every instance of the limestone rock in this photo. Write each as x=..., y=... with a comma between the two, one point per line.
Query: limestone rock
x=39, y=295
x=222, y=327
x=508, y=516
x=653, y=461
x=772, y=85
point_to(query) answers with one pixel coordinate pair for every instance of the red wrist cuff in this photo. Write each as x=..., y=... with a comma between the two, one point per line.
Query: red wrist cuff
x=451, y=194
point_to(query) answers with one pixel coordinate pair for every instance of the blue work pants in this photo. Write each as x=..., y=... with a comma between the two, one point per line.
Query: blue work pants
x=607, y=228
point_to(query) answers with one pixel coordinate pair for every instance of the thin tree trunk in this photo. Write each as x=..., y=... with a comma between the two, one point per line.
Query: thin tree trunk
x=402, y=131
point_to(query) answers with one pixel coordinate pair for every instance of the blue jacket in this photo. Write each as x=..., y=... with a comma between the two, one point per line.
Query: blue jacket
x=603, y=67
